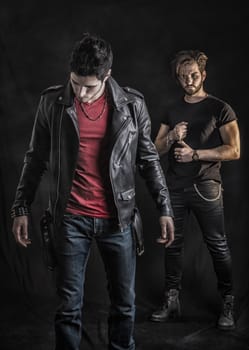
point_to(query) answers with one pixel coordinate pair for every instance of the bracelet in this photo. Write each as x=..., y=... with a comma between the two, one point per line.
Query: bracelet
x=169, y=139
x=195, y=156
x=19, y=211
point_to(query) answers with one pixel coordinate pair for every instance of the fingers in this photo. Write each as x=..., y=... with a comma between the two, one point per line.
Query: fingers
x=21, y=237
x=182, y=124
x=183, y=153
x=178, y=154
x=181, y=130
x=20, y=231
x=167, y=232
x=165, y=241
x=162, y=240
x=182, y=143
x=170, y=236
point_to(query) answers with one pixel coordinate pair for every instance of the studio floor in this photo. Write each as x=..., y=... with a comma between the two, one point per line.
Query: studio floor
x=26, y=318
x=28, y=325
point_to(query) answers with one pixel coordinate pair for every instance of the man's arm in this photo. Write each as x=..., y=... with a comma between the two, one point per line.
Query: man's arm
x=35, y=164
x=150, y=169
x=230, y=150
x=166, y=137
x=148, y=163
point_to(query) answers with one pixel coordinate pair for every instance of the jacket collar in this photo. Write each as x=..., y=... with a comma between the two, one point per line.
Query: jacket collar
x=118, y=96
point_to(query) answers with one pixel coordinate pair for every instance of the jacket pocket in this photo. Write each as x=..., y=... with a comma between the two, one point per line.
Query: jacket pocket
x=127, y=195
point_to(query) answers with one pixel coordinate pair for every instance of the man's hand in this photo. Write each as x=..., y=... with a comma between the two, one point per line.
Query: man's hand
x=180, y=131
x=184, y=153
x=167, y=230
x=20, y=230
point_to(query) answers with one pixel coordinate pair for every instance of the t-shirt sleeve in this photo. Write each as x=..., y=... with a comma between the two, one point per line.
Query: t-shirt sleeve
x=227, y=115
x=165, y=119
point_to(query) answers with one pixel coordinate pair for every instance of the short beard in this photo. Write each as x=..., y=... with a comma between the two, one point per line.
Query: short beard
x=198, y=88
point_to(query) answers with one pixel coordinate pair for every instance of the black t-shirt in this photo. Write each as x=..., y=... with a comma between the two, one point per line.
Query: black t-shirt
x=204, y=120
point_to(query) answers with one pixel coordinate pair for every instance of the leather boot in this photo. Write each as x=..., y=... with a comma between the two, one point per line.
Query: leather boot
x=226, y=320
x=169, y=309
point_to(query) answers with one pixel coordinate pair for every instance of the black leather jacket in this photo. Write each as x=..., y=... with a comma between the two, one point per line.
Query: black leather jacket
x=54, y=145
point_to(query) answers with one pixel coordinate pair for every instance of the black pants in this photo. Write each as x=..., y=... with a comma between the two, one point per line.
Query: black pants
x=205, y=201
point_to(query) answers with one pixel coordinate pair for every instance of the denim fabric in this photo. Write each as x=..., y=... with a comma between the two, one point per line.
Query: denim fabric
x=206, y=202
x=117, y=250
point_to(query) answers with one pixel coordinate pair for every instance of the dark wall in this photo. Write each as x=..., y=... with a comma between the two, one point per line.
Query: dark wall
x=36, y=40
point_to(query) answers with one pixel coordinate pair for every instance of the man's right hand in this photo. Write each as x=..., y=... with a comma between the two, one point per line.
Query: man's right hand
x=20, y=230
x=180, y=131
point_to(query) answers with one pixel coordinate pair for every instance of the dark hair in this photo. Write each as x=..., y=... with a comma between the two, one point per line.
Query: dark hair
x=184, y=56
x=91, y=55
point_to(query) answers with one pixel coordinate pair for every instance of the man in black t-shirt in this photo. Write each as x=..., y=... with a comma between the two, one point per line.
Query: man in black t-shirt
x=198, y=133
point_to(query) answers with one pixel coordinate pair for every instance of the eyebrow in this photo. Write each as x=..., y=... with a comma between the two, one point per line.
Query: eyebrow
x=191, y=73
x=75, y=82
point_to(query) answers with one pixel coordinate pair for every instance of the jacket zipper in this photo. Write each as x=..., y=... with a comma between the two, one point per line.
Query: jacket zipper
x=59, y=166
x=111, y=165
x=122, y=154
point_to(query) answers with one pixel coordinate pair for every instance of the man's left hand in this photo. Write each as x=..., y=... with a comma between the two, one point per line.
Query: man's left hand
x=167, y=230
x=184, y=153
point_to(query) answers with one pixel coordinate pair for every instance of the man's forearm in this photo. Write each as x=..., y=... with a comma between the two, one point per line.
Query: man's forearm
x=164, y=144
x=221, y=153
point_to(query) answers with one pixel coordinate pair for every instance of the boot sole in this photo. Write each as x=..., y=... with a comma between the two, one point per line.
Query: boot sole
x=224, y=328
x=161, y=320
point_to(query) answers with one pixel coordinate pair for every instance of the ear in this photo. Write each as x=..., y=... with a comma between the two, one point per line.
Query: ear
x=204, y=75
x=107, y=75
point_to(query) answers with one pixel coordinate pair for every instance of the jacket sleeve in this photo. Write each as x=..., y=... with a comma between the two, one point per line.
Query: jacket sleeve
x=149, y=166
x=35, y=163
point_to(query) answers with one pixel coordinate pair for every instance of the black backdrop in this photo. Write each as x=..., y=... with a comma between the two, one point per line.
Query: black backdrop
x=36, y=40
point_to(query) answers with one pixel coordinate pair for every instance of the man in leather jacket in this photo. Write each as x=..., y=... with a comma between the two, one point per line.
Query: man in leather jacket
x=92, y=135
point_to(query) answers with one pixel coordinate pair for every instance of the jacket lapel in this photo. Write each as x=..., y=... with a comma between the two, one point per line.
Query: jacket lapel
x=121, y=113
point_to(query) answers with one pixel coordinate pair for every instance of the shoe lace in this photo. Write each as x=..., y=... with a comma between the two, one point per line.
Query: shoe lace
x=227, y=309
x=173, y=295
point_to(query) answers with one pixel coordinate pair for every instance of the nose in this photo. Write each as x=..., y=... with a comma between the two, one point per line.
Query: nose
x=82, y=91
x=189, y=79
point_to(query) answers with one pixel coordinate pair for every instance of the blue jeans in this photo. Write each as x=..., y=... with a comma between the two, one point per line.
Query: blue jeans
x=117, y=249
x=206, y=202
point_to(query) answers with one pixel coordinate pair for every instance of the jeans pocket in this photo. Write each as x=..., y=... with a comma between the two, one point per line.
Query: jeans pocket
x=209, y=190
